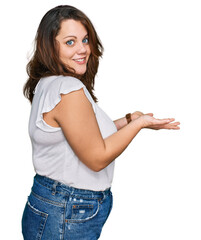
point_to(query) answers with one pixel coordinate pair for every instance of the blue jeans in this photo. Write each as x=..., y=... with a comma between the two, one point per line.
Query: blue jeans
x=55, y=211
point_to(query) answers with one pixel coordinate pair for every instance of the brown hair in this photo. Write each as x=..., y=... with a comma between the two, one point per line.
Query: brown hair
x=45, y=61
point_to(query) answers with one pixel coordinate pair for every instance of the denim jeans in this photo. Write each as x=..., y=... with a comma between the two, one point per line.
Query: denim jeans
x=55, y=211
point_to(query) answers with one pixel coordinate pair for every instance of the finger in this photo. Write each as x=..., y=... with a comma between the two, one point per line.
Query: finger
x=171, y=126
x=174, y=124
x=164, y=121
x=169, y=119
x=177, y=123
x=150, y=114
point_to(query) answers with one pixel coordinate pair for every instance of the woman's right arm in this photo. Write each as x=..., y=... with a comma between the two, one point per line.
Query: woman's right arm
x=76, y=117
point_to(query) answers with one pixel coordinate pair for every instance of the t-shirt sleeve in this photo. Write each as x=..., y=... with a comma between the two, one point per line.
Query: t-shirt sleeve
x=51, y=96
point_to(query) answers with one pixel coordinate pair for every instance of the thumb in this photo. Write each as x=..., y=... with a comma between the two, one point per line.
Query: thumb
x=150, y=114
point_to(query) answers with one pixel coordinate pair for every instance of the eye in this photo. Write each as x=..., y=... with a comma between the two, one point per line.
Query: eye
x=70, y=42
x=85, y=40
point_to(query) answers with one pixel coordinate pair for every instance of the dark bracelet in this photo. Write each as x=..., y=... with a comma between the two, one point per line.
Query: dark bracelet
x=128, y=117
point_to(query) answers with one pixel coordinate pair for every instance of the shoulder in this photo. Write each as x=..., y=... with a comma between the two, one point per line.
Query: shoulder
x=63, y=83
x=58, y=84
x=51, y=89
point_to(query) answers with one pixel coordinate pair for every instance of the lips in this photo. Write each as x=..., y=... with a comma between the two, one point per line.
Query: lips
x=80, y=60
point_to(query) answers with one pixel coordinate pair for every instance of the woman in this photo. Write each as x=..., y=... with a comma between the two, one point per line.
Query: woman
x=74, y=142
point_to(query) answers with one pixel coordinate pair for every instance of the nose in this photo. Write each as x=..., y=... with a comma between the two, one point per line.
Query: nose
x=81, y=48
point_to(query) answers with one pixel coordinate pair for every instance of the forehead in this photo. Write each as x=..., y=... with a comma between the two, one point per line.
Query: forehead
x=70, y=26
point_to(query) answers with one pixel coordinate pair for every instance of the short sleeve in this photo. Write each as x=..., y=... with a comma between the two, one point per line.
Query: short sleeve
x=48, y=93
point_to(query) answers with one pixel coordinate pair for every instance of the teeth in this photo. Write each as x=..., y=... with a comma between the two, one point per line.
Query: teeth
x=79, y=60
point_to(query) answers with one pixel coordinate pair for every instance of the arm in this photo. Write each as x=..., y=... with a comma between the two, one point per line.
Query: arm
x=75, y=116
x=122, y=122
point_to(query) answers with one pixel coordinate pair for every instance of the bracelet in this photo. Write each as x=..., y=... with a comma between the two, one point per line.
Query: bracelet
x=128, y=117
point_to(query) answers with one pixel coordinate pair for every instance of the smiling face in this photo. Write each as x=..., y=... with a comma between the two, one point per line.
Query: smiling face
x=74, y=49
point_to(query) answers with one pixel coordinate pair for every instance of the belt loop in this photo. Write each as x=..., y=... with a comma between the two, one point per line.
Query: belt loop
x=103, y=198
x=54, y=187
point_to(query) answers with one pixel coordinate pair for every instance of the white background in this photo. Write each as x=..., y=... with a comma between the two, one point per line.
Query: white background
x=151, y=63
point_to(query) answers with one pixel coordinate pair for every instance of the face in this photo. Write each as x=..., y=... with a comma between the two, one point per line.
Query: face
x=74, y=50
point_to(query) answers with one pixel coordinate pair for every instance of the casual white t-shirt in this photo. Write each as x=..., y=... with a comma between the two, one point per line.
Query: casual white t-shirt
x=52, y=155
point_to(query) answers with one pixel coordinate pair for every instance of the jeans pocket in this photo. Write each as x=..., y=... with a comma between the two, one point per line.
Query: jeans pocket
x=33, y=222
x=84, y=210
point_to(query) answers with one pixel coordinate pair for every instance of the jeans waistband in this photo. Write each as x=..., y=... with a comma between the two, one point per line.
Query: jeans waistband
x=58, y=186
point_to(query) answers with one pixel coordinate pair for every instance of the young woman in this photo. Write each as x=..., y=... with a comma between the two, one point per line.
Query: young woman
x=74, y=142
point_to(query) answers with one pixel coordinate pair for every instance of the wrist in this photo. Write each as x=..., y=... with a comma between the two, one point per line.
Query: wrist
x=139, y=122
x=128, y=118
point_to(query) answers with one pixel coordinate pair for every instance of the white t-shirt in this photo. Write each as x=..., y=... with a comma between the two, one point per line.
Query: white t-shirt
x=52, y=155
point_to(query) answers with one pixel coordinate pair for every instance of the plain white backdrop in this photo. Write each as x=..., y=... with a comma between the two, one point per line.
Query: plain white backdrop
x=151, y=63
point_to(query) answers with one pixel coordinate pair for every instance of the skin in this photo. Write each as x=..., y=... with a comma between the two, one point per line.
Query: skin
x=80, y=127
x=73, y=43
x=122, y=122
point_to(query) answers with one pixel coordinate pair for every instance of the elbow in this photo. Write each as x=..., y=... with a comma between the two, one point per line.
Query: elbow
x=97, y=168
x=96, y=160
x=95, y=164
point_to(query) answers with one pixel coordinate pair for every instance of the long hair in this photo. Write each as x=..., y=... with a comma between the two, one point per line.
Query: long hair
x=45, y=61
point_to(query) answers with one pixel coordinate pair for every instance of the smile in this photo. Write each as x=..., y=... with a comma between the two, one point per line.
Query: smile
x=80, y=60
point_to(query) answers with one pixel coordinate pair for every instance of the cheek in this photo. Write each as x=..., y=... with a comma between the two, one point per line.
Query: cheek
x=88, y=52
x=66, y=54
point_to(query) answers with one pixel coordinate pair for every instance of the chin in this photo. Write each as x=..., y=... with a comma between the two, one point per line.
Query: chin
x=80, y=71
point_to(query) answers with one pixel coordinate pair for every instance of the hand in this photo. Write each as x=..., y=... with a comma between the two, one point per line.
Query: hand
x=138, y=114
x=148, y=121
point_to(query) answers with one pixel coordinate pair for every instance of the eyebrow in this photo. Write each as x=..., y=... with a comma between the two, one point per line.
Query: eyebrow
x=70, y=36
